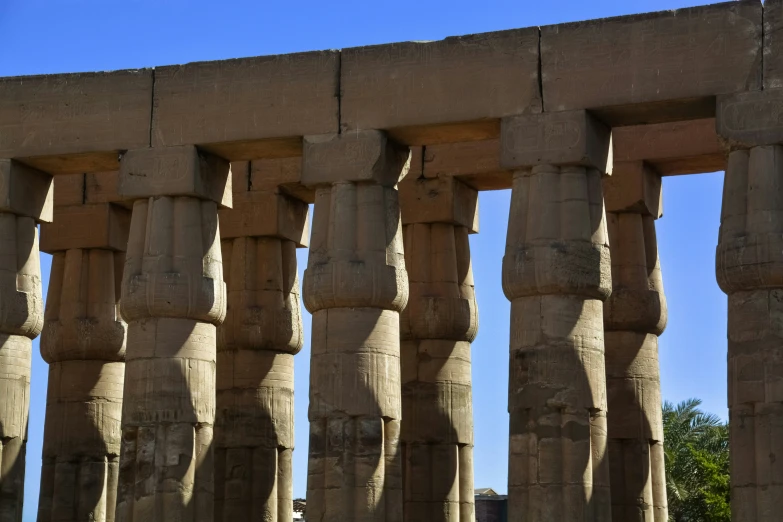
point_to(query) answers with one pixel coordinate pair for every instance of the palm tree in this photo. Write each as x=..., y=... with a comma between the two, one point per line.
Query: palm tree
x=696, y=449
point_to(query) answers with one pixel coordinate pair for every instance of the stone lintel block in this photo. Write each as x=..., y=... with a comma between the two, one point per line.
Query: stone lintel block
x=175, y=171
x=560, y=138
x=246, y=99
x=100, y=225
x=751, y=119
x=25, y=191
x=673, y=148
x=354, y=157
x=634, y=186
x=683, y=54
x=260, y=213
x=476, y=163
x=75, y=115
x=439, y=200
x=436, y=92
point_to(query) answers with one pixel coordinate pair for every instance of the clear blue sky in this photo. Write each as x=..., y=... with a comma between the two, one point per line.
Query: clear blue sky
x=50, y=36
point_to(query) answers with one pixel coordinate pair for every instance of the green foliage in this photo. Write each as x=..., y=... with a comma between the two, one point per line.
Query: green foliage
x=696, y=447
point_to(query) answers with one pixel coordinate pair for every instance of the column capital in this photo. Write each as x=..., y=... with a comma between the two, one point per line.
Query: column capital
x=175, y=171
x=439, y=200
x=25, y=191
x=555, y=138
x=637, y=302
x=355, y=156
x=634, y=186
x=750, y=119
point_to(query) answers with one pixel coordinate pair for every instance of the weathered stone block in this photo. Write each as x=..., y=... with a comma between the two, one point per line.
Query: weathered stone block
x=279, y=174
x=356, y=156
x=102, y=187
x=437, y=86
x=101, y=225
x=773, y=46
x=751, y=118
x=439, y=200
x=175, y=171
x=68, y=190
x=476, y=163
x=246, y=100
x=258, y=214
x=71, y=117
x=25, y=191
x=655, y=57
x=268, y=174
x=563, y=138
x=634, y=186
x=681, y=147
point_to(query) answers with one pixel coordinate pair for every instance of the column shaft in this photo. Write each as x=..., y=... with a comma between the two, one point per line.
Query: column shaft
x=21, y=319
x=84, y=343
x=556, y=273
x=355, y=286
x=438, y=325
x=83, y=340
x=254, y=425
x=749, y=266
x=173, y=297
x=634, y=316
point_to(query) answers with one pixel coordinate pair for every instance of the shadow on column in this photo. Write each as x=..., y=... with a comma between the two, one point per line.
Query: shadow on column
x=166, y=458
x=355, y=466
x=438, y=468
x=75, y=485
x=252, y=455
x=21, y=319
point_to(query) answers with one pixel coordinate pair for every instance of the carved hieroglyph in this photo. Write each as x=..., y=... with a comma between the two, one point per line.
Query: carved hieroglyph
x=173, y=296
x=634, y=316
x=437, y=326
x=355, y=286
x=254, y=425
x=25, y=198
x=556, y=273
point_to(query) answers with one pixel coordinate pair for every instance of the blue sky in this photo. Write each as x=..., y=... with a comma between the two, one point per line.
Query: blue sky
x=50, y=36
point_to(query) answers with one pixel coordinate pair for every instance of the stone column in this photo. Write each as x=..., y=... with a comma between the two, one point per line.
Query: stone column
x=556, y=272
x=173, y=297
x=25, y=199
x=437, y=327
x=254, y=426
x=634, y=317
x=749, y=267
x=83, y=341
x=355, y=286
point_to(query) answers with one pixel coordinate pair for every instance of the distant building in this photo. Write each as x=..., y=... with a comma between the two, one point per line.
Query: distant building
x=299, y=509
x=490, y=507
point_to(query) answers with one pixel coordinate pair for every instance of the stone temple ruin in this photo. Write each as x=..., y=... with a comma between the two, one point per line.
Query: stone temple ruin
x=171, y=338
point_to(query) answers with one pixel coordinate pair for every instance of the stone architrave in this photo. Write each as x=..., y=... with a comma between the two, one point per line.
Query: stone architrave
x=634, y=316
x=437, y=327
x=173, y=297
x=25, y=200
x=556, y=273
x=254, y=425
x=749, y=268
x=83, y=340
x=355, y=286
